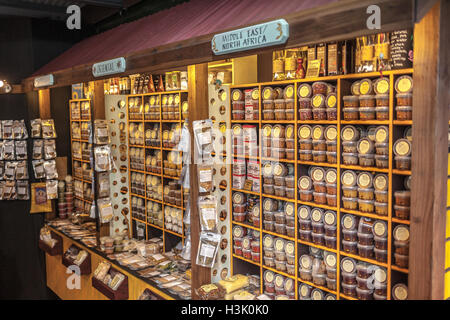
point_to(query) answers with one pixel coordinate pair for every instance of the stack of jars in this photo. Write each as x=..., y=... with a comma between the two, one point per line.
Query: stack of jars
x=348, y=274
x=306, y=292
x=173, y=219
x=137, y=156
x=138, y=208
x=276, y=285
x=152, y=136
x=279, y=217
x=330, y=134
x=361, y=105
x=381, y=139
x=313, y=269
x=151, y=108
x=381, y=185
x=350, y=136
x=135, y=109
x=305, y=143
x=154, y=213
x=402, y=204
x=404, y=87
x=324, y=184
x=173, y=195
x=154, y=188
x=358, y=191
x=138, y=183
x=246, y=243
x=349, y=226
x=171, y=107
x=246, y=209
x=402, y=151
x=319, y=153
x=172, y=136
x=153, y=162
x=279, y=254
x=278, y=142
x=380, y=234
x=371, y=282
x=401, y=245
x=279, y=179
x=317, y=101
x=278, y=104
x=330, y=261
x=173, y=164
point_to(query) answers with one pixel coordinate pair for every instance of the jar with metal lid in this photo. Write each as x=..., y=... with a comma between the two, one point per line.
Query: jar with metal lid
x=304, y=90
x=404, y=84
x=403, y=113
x=400, y=292
x=350, y=114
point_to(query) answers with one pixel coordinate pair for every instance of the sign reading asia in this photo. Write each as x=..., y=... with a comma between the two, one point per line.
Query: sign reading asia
x=108, y=67
x=258, y=36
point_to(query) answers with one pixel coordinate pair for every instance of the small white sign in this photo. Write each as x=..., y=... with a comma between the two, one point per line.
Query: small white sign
x=44, y=81
x=108, y=67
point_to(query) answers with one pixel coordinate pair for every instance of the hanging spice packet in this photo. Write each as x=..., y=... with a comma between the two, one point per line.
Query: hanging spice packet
x=207, y=249
x=208, y=213
x=38, y=168
x=48, y=129
x=22, y=170
x=36, y=131
x=50, y=149
x=8, y=150
x=21, y=150
x=102, y=158
x=50, y=169
x=105, y=210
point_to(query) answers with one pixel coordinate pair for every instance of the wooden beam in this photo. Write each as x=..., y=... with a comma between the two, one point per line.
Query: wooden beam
x=198, y=110
x=429, y=154
x=421, y=8
x=44, y=104
x=340, y=20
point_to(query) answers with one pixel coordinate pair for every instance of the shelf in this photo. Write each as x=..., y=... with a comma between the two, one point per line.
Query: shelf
x=278, y=235
x=137, y=219
x=174, y=233
x=246, y=157
x=279, y=272
x=403, y=270
x=170, y=177
x=317, y=122
x=245, y=121
x=317, y=286
x=154, y=226
x=278, y=121
x=366, y=122
x=360, y=168
x=245, y=225
x=400, y=221
x=402, y=122
x=367, y=215
x=310, y=244
x=173, y=205
x=317, y=164
x=278, y=198
x=245, y=191
x=372, y=261
x=401, y=172
x=277, y=160
x=347, y=297
x=246, y=260
x=312, y=204
x=137, y=195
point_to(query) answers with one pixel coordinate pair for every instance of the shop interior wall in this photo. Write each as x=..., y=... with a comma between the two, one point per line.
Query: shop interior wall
x=26, y=45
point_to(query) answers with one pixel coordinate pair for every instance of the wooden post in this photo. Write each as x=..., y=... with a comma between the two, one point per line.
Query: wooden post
x=44, y=104
x=429, y=154
x=198, y=110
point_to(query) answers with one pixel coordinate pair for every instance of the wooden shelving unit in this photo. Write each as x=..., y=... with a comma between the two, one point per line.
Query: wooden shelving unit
x=80, y=121
x=391, y=172
x=164, y=178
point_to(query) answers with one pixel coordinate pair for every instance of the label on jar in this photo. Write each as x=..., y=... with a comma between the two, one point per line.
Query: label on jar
x=380, y=275
x=237, y=130
x=331, y=101
x=290, y=248
x=404, y=84
x=348, y=134
x=317, y=100
x=364, y=146
x=382, y=86
x=278, y=169
x=331, y=133
x=288, y=285
x=268, y=169
x=348, y=222
x=268, y=276
x=400, y=293
x=177, y=99
x=289, y=209
x=304, y=290
x=364, y=180
x=279, y=279
x=355, y=88
x=237, y=198
x=255, y=211
x=329, y=218
x=154, y=181
x=267, y=130
x=152, y=100
x=164, y=100
x=267, y=93
x=279, y=244
x=268, y=241
x=317, y=133
x=268, y=205
x=305, y=132
x=381, y=135
x=255, y=94
x=289, y=132
x=170, y=100
x=379, y=228
x=318, y=174
x=331, y=260
x=154, y=161
x=304, y=91
x=305, y=261
x=402, y=148
x=348, y=178
x=289, y=92
x=348, y=265
x=401, y=233
x=246, y=243
x=365, y=86
x=185, y=106
x=305, y=183
x=237, y=95
x=380, y=182
x=303, y=212
x=238, y=232
x=317, y=295
x=316, y=214
x=331, y=176
x=276, y=131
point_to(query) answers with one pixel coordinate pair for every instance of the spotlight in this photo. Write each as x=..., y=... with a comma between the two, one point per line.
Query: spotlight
x=2, y=83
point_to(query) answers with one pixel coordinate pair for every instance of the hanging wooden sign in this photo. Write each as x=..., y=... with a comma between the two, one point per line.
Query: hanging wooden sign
x=108, y=67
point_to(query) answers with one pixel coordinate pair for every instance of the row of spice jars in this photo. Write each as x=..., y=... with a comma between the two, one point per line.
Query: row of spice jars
x=320, y=268
x=365, y=237
x=172, y=193
x=136, y=134
x=173, y=164
x=245, y=140
x=279, y=254
x=275, y=283
x=364, y=192
x=319, y=186
x=317, y=226
x=278, y=179
x=154, y=213
x=246, y=243
x=153, y=162
x=279, y=217
x=246, y=208
x=154, y=187
x=317, y=101
x=402, y=151
x=173, y=218
x=245, y=104
x=318, y=144
x=278, y=142
x=402, y=205
x=307, y=292
x=404, y=97
x=152, y=136
x=137, y=158
x=138, y=208
x=138, y=183
x=362, y=280
x=171, y=137
x=135, y=108
x=278, y=104
x=401, y=245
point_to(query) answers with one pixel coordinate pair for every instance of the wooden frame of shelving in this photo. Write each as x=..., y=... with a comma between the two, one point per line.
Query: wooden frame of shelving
x=147, y=173
x=390, y=172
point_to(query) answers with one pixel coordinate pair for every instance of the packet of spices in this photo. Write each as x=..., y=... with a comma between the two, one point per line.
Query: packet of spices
x=207, y=249
x=102, y=158
x=52, y=189
x=103, y=185
x=23, y=190
x=208, y=213
x=38, y=149
x=10, y=170
x=101, y=135
x=48, y=129
x=19, y=131
x=9, y=190
x=21, y=150
x=36, y=128
x=7, y=126
x=22, y=170
x=50, y=169
x=49, y=149
x=8, y=150
x=38, y=168
x=205, y=179
x=105, y=209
